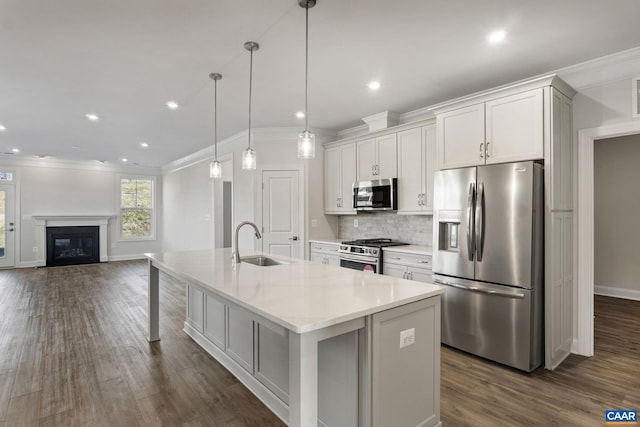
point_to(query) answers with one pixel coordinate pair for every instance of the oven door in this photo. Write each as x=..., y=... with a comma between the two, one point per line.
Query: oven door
x=366, y=264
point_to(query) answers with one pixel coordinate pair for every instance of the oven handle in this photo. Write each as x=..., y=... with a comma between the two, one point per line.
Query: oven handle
x=361, y=260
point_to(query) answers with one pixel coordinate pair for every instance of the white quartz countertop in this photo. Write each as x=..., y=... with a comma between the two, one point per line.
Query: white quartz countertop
x=302, y=296
x=410, y=249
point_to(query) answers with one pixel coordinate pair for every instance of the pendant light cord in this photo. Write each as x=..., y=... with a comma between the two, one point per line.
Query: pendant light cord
x=306, y=69
x=215, y=118
x=250, y=87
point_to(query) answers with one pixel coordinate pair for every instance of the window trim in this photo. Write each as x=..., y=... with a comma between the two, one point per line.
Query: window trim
x=154, y=189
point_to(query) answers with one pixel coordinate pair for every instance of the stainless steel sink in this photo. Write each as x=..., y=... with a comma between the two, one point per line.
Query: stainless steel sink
x=262, y=261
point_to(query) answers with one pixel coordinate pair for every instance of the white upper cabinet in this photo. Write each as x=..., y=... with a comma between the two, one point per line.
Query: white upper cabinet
x=339, y=175
x=505, y=129
x=376, y=158
x=514, y=126
x=416, y=165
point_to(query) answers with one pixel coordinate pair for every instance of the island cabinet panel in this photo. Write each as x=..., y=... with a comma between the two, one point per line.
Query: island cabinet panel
x=272, y=360
x=406, y=356
x=195, y=307
x=240, y=337
x=214, y=320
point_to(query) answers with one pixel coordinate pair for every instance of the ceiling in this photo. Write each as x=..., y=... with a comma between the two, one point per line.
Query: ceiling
x=123, y=60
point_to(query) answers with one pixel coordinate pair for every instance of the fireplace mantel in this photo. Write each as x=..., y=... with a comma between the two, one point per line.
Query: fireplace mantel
x=44, y=221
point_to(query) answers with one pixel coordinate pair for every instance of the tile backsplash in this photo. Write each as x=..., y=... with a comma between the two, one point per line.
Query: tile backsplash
x=412, y=229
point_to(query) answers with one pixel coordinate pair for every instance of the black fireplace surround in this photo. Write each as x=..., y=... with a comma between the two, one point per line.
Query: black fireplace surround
x=73, y=245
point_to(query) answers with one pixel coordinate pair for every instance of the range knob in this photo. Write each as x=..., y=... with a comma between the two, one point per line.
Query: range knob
x=373, y=251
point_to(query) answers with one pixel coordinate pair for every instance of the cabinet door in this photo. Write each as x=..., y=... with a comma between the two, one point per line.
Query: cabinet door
x=214, y=320
x=240, y=337
x=461, y=137
x=347, y=177
x=515, y=128
x=410, y=171
x=366, y=159
x=332, y=178
x=195, y=307
x=387, y=163
x=420, y=274
x=316, y=257
x=429, y=149
x=333, y=260
x=394, y=270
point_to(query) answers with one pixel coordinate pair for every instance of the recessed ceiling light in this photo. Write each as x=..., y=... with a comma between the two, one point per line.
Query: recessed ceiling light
x=172, y=105
x=374, y=85
x=144, y=144
x=300, y=114
x=92, y=117
x=497, y=36
x=15, y=150
x=124, y=160
x=2, y=128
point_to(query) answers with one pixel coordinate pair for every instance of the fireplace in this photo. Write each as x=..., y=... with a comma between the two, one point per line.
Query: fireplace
x=73, y=245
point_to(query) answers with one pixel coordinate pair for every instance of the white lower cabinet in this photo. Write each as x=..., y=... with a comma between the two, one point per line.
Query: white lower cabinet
x=325, y=253
x=407, y=266
x=261, y=349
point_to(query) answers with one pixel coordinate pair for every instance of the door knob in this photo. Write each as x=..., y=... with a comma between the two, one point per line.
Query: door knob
x=293, y=238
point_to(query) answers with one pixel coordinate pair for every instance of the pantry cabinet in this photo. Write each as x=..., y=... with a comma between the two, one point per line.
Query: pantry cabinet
x=339, y=175
x=377, y=158
x=416, y=166
x=506, y=129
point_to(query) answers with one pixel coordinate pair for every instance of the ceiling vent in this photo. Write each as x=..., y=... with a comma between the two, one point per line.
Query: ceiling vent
x=382, y=120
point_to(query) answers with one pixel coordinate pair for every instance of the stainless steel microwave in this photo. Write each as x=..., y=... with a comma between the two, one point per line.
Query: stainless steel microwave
x=374, y=195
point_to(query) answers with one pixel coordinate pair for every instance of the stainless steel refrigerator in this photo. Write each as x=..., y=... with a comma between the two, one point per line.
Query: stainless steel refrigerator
x=488, y=253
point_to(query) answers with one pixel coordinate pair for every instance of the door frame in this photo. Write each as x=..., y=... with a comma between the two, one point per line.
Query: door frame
x=302, y=200
x=17, y=259
x=584, y=240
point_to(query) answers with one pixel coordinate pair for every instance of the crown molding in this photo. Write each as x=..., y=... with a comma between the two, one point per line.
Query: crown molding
x=91, y=165
x=603, y=70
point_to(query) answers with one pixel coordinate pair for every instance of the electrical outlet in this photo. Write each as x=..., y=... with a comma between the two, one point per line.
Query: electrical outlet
x=35, y=249
x=407, y=337
x=314, y=223
x=355, y=223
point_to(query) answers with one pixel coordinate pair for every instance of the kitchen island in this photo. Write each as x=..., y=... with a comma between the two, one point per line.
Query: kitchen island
x=318, y=344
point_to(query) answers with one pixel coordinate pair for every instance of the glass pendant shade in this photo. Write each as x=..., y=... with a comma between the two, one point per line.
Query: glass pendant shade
x=248, y=159
x=215, y=169
x=306, y=145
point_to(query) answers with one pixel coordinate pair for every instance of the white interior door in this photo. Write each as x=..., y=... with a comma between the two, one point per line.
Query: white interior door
x=7, y=225
x=281, y=213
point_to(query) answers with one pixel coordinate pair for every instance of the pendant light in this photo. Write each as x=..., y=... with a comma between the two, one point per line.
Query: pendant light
x=306, y=139
x=248, y=154
x=215, y=169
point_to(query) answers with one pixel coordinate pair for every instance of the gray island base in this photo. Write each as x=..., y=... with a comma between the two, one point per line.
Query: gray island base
x=320, y=345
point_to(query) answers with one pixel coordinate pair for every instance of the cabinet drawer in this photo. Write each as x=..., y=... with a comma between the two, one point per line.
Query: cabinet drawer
x=412, y=260
x=325, y=248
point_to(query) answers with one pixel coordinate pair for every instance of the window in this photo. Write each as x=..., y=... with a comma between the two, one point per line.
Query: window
x=137, y=216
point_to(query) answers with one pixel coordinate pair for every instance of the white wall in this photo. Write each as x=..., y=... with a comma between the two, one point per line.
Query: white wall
x=275, y=148
x=74, y=191
x=603, y=105
x=616, y=213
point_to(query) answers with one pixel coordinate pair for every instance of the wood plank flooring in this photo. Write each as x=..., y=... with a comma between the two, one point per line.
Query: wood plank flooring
x=73, y=353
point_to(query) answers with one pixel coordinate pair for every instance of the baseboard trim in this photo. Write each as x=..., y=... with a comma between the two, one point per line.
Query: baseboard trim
x=617, y=292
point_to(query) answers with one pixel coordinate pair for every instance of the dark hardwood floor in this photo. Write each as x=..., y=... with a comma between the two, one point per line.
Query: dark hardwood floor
x=73, y=353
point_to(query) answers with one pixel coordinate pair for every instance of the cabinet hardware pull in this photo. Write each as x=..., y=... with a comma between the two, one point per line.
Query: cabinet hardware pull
x=481, y=150
x=486, y=150
x=396, y=258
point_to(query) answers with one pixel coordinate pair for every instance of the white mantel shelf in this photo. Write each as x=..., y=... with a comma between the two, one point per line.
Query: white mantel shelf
x=44, y=221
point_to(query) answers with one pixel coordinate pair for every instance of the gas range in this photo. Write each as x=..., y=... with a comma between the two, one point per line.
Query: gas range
x=364, y=254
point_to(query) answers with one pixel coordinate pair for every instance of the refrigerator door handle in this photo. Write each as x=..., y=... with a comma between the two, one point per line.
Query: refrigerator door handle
x=470, y=202
x=480, y=222
x=516, y=295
